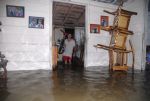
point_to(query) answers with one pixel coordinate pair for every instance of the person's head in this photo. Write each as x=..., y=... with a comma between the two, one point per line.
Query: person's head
x=69, y=36
x=39, y=21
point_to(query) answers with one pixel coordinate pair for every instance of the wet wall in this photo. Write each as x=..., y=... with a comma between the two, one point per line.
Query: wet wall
x=30, y=48
x=148, y=36
x=26, y=48
x=100, y=57
x=96, y=56
x=138, y=26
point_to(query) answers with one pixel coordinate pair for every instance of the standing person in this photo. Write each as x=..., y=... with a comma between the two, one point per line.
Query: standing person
x=40, y=24
x=69, y=47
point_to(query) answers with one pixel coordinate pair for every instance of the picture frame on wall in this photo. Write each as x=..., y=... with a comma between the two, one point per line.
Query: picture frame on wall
x=94, y=28
x=36, y=22
x=15, y=11
x=104, y=20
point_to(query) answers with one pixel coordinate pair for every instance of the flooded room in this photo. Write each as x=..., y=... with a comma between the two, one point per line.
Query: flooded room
x=74, y=50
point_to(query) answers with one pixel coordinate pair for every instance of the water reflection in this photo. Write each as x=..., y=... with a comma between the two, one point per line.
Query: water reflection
x=77, y=85
x=95, y=85
x=3, y=94
x=3, y=89
x=146, y=84
x=3, y=84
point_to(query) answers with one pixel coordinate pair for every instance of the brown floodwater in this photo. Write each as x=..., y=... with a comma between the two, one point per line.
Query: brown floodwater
x=76, y=84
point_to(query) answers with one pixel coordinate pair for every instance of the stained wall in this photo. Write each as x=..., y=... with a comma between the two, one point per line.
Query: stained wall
x=30, y=48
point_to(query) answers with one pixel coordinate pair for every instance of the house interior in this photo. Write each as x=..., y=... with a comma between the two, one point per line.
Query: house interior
x=110, y=59
x=68, y=18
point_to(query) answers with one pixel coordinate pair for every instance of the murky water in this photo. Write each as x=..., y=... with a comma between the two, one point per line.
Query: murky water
x=76, y=85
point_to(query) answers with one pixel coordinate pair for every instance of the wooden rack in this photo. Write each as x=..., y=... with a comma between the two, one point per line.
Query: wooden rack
x=117, y=49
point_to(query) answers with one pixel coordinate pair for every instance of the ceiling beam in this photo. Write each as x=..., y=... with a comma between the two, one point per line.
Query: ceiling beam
x=54, y=11
x=67, y=14
x=81, y=15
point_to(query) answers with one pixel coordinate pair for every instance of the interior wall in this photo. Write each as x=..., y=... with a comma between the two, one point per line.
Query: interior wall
x=96, y=56
x=30, y=48
x=26, y=48
x=148, y=24
x=148, y=33
x=137, y=25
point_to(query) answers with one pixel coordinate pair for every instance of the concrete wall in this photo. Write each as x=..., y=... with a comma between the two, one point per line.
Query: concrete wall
x=29, y=48
x=26, y=48
x=137, y=25
x=148, y=24
x=99, y=57
x=148, y=34
x=96, y=56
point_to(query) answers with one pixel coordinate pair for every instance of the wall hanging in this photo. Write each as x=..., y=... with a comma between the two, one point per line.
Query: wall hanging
x=104, y=20
x=36, y=22
x=94, y=28
x=15, y=11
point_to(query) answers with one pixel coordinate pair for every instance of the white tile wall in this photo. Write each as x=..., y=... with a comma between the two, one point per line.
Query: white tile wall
x=148, y=34
x=97, y=57
x=137, y=26
x=29, y=48
x=26, y=48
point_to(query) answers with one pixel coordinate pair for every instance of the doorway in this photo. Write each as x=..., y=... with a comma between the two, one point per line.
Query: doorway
x=68, y=18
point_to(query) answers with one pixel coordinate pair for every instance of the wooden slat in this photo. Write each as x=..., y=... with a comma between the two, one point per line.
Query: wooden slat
x=121, y=68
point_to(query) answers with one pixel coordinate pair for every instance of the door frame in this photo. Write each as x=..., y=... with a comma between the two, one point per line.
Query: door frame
x=86, y=26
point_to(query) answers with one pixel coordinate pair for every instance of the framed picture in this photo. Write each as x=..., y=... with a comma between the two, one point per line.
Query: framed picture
x=104, y=21
x=36, y=22
x=94, y=28
x=15, y=11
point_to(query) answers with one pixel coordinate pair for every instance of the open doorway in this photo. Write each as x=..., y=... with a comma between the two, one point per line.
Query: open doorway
x=68, y=19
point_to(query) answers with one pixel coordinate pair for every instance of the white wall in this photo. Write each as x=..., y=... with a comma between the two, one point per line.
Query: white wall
x=26, y=48
x=148, y=34
x=137, y=25
x=96, y=56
